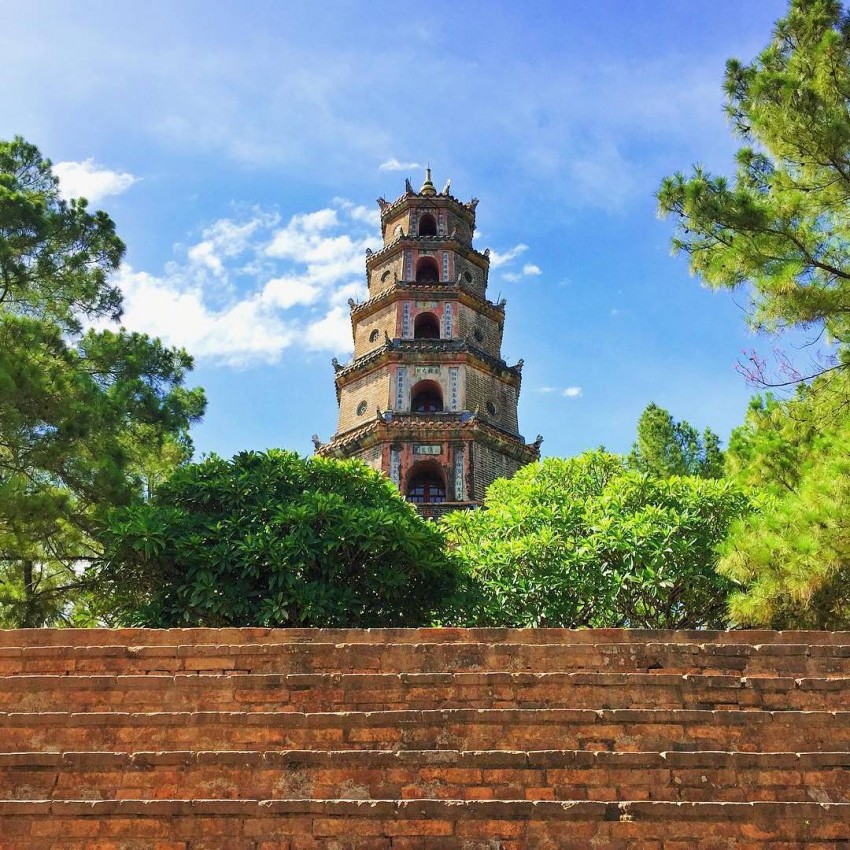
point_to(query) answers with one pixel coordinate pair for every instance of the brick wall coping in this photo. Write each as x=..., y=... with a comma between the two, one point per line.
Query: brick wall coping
x=361, y=681
x=174, y=637
x=510, y=810
x=492, y=759
x=421, y=717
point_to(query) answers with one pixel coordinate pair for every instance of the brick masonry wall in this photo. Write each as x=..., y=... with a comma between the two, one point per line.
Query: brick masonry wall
x=487, y=466
x=372, y=457
x=471, y=274
x=469, y=321
x=383, y=276
x=384, y=321
x=374, y=389
x=482, y=387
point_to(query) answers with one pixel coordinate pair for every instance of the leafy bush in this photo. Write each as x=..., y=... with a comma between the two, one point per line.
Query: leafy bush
x=272, y=539
x=587, y=542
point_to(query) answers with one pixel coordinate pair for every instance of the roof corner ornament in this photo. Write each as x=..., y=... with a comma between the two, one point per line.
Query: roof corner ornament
x=408, y=188
x=447, y=187
x=383, y=203
x=472, y=204
x=336, y=364
x=352, y=303
x=502, y=303
x=519, y=364
x=487, y=253
x=538, y=442
x=369, y=252
x=317, y=443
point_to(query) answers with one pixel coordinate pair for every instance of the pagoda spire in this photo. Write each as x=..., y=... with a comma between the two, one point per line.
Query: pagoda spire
x=428, y=189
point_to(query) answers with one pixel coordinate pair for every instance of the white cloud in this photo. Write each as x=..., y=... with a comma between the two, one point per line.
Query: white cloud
x=356, y=290
x=364, y=214
x=394, y=165
x=251, y=289
x=286, y=292
x=88, y=180
x=243, y=333
x=566, y=392
x=330, y=333
x=204, y=254
x=528, y=270
x=497, y=259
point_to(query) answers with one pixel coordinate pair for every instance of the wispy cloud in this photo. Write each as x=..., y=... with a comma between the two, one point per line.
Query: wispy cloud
x=566, y=392
x=251, y=289
x=89, y=180
x=498, y=259
x=395, y=165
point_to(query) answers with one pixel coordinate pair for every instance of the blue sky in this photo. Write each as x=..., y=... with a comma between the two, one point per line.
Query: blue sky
x=240, y=148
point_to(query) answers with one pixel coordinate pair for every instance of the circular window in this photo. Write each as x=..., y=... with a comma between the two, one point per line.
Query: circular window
x=373, y=337
x=467, y=277
x=479, y=337
x=491, y=408
x=361, y=408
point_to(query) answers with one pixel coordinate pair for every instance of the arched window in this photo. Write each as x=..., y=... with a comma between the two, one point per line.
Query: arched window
x=426, y=486
x=427, y=270
x=426, y=397
x=427, y=225
x=426, y=326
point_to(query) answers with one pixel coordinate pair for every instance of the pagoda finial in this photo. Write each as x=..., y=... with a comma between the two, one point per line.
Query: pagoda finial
x=428, y=187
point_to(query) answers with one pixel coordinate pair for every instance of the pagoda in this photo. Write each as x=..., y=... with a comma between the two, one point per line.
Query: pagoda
x=427, y=397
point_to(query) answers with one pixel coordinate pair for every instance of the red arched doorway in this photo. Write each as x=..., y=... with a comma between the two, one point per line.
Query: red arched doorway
x=427, y=270
x=426, y=326
x=426, y=397
x=426, y=484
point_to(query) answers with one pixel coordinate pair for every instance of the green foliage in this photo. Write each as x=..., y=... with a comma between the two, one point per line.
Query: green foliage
x=588, y=542
x=276, y=540
x=791, y=560
x=782, y=225
x=665, y=447
x=83, y=415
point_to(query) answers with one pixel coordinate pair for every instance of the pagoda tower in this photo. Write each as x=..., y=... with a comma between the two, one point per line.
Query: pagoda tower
x=427, y=397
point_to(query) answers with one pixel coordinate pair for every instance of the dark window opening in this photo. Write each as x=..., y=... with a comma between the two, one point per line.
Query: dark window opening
x=426, y=326
x=426, y=488
x=427, y=225
x=427, y=271
x=427, y=398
